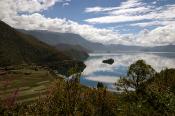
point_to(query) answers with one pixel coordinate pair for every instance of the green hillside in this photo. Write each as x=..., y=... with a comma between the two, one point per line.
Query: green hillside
x=18, y=48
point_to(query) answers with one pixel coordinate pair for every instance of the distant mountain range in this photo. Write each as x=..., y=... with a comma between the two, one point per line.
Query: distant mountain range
x=120, y=48
x=55, y=38
x=18, y=48
x=167, y=48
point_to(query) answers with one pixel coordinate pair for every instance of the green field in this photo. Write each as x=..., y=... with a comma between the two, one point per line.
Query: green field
x=30, y=83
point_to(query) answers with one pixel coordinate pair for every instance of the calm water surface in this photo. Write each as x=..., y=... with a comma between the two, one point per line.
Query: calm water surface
x=96, y=71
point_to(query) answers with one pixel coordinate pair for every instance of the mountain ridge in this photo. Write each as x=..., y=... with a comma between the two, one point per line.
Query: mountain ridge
x=54, y=38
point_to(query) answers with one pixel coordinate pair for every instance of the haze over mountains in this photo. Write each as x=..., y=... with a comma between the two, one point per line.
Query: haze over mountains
x=54, y=38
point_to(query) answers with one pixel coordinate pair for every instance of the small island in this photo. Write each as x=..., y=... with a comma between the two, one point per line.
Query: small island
x=109, y=61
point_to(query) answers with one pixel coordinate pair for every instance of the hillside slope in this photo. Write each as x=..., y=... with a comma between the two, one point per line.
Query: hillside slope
x=76, y=52
x=19, y=48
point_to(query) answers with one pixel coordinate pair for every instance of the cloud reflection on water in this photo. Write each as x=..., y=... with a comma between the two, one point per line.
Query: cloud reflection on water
x=96, y=71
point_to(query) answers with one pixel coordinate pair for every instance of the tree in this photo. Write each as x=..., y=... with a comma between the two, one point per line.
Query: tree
x=100, y=85
x=137, y=74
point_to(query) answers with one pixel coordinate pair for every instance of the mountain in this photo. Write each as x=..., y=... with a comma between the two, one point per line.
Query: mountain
x=19, y=48
x=126, y=48
x=54, y=38
x=166, y=48
x=76, y=52
x=119, y=48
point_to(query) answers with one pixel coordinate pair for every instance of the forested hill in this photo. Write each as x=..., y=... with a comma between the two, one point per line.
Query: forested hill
x=19, y=48
x=76, y=52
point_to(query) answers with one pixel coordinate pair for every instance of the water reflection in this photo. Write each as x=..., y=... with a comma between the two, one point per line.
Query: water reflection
x=96, y=71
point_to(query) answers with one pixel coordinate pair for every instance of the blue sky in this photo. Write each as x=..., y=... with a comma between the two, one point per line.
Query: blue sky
x=76, y=11
x=131, y=22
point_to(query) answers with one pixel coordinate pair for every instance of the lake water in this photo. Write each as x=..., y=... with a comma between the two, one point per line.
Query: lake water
x=96, y=71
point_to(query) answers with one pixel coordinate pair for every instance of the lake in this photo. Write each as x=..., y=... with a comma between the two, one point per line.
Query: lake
x=96, y=71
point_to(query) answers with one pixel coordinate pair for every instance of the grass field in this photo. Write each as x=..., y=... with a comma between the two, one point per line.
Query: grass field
x=29, y=84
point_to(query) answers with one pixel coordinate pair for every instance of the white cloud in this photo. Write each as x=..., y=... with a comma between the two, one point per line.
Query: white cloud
x=159, y=36
x=33, y=20
x=132, y=11
x=66, y=4
x=29, y=6
x=127, y=11
x=124, y=6
x=94, y=9
x=39, y=22
x=153, y=23
x=114, y=19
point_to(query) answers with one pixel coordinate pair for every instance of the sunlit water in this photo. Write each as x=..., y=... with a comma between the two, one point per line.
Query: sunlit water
x=96, y=71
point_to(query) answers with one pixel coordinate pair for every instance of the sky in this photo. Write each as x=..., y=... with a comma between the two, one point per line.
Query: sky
x=128, y=22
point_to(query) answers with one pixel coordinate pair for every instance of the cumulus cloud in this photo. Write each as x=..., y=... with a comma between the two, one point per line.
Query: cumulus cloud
x=36, y=21
x=27, y=5
x=140, y=14
x=9, y=8
x=161, y=36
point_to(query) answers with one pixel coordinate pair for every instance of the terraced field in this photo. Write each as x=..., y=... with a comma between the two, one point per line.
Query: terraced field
x=25, y=84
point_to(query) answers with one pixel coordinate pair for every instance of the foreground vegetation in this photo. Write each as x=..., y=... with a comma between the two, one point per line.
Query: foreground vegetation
x=29, y=82
x=142, y=92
